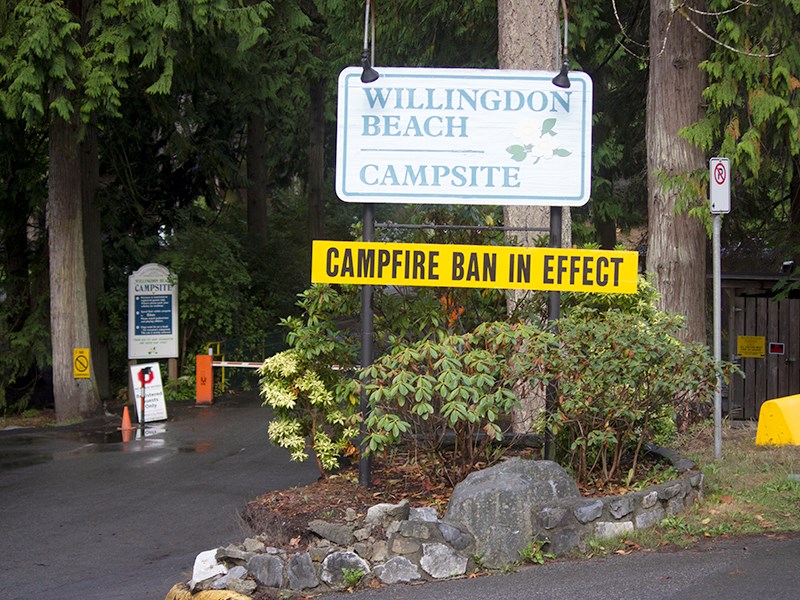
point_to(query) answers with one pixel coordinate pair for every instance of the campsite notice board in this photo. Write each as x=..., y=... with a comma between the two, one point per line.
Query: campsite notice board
x=152, y=313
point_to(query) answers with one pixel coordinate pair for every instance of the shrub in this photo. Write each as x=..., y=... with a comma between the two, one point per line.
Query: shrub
x=457, y=387
x=620, y=377
x=303, y=385
x=311, y=388
x=308, y=415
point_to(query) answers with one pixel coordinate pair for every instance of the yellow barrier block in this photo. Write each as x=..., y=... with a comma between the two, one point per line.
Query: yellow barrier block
x=779, y=422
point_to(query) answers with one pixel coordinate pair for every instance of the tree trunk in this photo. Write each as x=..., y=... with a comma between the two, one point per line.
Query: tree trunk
x=93, y=250
x=257, y=198
x=69, y=320
x=676, y=242
x=529, y=39
x=316, y=160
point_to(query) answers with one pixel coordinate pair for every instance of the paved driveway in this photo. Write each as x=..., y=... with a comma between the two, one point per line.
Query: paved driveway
x=744, y=568
x=85, y=516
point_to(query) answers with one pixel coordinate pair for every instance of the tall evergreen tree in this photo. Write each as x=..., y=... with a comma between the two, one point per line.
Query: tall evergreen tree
x=64, y=64
x=676, y=240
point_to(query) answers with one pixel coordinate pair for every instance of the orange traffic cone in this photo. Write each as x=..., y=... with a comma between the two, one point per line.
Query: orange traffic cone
x=126, y=429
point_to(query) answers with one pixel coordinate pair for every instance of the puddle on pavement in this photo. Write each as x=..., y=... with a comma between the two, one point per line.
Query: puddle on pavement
x=95, y=437
x=18, y=452
x=18, y=460
x=196, y=448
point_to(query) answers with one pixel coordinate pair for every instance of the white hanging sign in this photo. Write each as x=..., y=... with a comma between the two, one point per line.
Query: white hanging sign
x=464, y=136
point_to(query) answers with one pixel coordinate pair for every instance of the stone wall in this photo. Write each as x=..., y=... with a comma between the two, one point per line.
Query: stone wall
x=400, y=544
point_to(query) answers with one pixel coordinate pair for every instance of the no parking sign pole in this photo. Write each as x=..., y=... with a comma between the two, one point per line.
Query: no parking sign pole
x=145, y=377
x=720, y=197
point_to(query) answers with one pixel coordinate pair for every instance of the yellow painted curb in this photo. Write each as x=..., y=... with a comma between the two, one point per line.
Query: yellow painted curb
x=779, y=422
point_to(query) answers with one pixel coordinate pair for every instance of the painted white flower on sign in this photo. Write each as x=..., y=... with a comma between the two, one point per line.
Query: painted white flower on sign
x=545, y=145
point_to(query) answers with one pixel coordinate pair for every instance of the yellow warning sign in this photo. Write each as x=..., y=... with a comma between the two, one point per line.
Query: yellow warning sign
x=751, y=346
x=80, y=363
x=451, y=265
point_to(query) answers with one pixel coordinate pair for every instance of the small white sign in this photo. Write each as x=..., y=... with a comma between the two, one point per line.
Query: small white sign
x=720, y=188
x=148, y=376
x=152, y=313
x=464, y=136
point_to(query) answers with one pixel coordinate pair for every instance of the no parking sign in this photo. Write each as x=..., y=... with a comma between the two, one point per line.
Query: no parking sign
x=148, y=376
x=720, y=176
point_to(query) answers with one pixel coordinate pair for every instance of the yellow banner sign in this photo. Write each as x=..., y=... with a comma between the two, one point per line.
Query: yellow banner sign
x=502, y=267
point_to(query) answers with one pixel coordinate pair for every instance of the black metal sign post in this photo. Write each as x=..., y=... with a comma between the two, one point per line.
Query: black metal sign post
x=367, y=340
x=553, y=314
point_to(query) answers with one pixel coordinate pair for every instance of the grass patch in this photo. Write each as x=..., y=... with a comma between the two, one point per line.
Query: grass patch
x=29, y=418
x=750, y=490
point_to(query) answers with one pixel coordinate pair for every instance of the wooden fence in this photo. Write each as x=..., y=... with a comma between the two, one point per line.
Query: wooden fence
x=774, y=328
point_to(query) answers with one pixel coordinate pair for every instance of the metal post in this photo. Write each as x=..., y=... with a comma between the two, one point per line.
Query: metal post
x=553, y=314
x=143, y=379
x=717, y=337
x=367, y=337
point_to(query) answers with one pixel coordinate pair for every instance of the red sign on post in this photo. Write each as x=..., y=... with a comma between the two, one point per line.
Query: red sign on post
x=777, y=348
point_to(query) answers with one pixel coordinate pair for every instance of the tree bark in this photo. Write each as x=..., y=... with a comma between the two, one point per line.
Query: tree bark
x=529, y=39
x=676, y=252
x=316, y=160
x=69, y=320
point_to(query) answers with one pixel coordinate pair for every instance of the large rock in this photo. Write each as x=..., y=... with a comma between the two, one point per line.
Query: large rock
x=267, y=569
x=497, y=506
x=383, y=514
x=301, y=572
x=440, y=561
x=339, y=534
x=398, y=570
x=334, y=564
x=205, y=567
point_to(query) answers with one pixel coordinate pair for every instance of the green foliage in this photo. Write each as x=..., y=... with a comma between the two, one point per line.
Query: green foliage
x=22, y=348
x=752, y=117
x=306, y=408
x=24, y=317
x=322, y=339
x=182, y=389
x=87, y=60
x=213, y=286
x=604, y=40
x=303, y=385
x=352, y=576
x=534, y=552
x=619, y=375
x=458, y=387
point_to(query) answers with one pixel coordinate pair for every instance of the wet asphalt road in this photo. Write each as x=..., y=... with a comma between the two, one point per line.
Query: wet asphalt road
x=85, y=516
x=744, y=568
